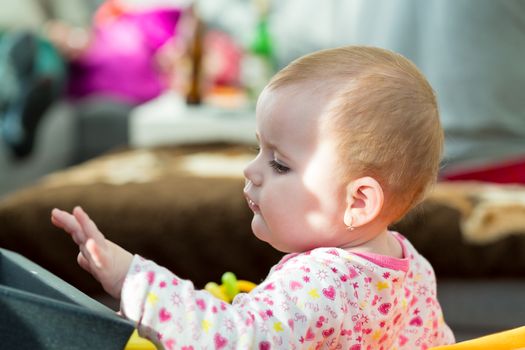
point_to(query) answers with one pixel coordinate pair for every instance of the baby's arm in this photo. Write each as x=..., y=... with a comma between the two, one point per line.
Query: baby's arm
x=106, y=261
x=281, y=313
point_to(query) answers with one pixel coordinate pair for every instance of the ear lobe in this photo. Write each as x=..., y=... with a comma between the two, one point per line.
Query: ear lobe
x=364, y=201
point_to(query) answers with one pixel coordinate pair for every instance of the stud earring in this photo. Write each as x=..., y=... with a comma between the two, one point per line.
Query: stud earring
x=350, y=227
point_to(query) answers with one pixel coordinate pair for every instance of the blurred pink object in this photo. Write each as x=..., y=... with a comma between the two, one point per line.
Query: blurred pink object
x=223, y=59
x=120, y=61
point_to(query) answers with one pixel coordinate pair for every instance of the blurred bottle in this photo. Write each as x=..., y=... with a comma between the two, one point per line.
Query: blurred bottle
x=195, y=50
x=258, y=63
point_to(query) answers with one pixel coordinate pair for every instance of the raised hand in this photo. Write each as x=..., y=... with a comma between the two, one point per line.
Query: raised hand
x=106, y=261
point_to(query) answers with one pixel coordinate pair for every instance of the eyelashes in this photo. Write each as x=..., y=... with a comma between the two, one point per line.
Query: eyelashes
x=275, y=165
x=279, y=168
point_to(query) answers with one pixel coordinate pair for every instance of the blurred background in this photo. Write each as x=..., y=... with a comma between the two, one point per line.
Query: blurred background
x=145, y=108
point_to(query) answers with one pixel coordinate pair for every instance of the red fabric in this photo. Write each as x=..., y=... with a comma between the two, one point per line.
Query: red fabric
x=507, y=172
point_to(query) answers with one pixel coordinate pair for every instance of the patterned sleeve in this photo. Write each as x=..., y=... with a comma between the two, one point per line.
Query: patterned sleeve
x=296, y=304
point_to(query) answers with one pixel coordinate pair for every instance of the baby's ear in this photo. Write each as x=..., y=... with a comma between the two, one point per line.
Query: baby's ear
x=364, y=201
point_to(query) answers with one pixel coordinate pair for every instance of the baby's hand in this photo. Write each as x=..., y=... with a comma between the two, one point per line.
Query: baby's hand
x=106, y=261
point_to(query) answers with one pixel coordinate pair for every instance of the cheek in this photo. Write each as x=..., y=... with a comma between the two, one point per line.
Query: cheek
x=325, y=203
x=275, y=204
x=282, y=203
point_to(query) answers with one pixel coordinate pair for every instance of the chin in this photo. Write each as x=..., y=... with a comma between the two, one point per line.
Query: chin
x=262, y=235
x=257, y=231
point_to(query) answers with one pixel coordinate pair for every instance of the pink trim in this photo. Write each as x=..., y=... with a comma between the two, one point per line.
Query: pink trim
x=284, y=259
x=386, y=261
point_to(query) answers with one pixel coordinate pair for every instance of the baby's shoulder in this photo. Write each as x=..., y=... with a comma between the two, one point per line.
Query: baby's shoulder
x=335, y=262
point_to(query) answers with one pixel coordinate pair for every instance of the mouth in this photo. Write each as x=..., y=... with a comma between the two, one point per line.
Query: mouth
x=254, y=207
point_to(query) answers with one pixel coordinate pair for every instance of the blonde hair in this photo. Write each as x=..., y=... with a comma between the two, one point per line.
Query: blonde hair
x=383, y=113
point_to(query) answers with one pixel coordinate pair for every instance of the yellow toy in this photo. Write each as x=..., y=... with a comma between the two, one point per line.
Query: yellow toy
x=229, y=288
x=513, y=339
x=135, y=342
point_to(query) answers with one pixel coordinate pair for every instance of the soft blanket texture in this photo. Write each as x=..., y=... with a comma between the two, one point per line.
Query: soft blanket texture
x=488, y=212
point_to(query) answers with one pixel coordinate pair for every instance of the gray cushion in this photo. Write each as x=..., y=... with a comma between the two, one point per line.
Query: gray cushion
x=40, y=311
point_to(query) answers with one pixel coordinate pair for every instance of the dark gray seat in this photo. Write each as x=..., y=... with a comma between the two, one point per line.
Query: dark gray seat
x=41, y=311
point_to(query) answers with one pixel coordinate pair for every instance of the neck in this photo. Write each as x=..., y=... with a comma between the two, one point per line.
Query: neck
x=378, y=241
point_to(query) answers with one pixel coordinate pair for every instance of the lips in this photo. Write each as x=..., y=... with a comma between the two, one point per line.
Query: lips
x=254, y=207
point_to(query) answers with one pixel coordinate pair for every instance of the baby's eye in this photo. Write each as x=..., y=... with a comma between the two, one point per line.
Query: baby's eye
x=256, y=149
x=279, y=168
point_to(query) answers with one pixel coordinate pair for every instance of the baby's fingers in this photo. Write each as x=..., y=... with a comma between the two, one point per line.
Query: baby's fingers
x=95, y=254
x=88, y=226
x=95, y=241
x=68, y=223
x=83, y=262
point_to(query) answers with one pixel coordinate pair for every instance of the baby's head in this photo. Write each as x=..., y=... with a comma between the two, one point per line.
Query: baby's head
x=362, y=127
x=383, y=113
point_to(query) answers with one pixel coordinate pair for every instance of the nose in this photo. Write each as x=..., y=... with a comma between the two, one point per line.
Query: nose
x=252, y=172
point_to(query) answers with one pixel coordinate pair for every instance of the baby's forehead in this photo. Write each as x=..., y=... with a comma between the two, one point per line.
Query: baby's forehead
x=303, y=92
x=293, y=110
x=287, y=100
